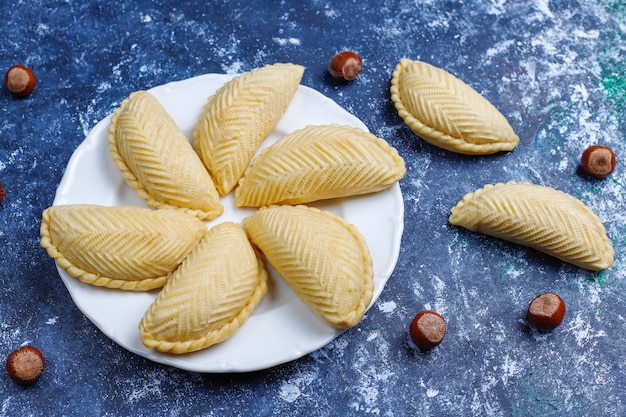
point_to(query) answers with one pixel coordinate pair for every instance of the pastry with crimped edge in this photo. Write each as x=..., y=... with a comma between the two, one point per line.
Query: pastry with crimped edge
x=240, y=116
x=125, y=247
x=324, y=259
x=539, y=217
x=210, y=295
x=319, y=162
x=157, y=160
x=448, y=113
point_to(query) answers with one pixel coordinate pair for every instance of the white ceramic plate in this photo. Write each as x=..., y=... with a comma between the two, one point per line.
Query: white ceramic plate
x=282, y=328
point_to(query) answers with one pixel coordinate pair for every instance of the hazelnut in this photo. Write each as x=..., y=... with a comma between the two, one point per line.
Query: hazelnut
x=345, y=66
x=598, y=161
x=427, y=329
x=25, y=365
x=20, y=80
x=546, y=312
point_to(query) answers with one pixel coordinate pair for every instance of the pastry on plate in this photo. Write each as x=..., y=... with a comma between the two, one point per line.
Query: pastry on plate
x=324, y=259
x=157, y=160
x=319, y=162
x=125, y=247
x=210, y=296
x=240, y=116
x=540, y=217
x=448, y=113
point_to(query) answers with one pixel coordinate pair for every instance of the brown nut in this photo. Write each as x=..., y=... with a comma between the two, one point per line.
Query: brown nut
x=598, y=161
x=345, y=66
x=546, y=312
x=25, y=365
x=20, y=80
x=427, y=329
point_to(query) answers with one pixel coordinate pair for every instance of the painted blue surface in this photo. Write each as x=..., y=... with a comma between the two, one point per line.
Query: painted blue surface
x=554, y=68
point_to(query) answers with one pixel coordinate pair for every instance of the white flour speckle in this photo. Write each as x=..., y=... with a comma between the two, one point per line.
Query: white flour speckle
x=500, y=48
x=331, y=13
x=43, y=29
x=513, y=272
x=104, y=87
x=430, y=393
x=8, y=334
x=583, y=330
x=52, y=320
x=592, y=34
x=289, y=392
x=234, y=68
x=152, y=388
x=369, y=395
x=287, y=41
x=370, y=386
x=417, y=289
x=544, y=7
x=387, y=307
x=293, y=388
x=496, y=7
x=510, y=369
x=440, y=294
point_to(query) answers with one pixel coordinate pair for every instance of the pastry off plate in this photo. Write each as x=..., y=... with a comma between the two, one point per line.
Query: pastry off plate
x=282, y=328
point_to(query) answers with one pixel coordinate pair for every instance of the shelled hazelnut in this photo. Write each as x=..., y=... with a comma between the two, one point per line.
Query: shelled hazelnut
x=20, y=80
x=25, y=365
x=427, y=329
x=598, y=161
x=546, y=312
x=345, y=66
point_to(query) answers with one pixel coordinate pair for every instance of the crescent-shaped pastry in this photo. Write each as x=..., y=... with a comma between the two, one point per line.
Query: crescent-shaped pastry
x=129, y=248
x=210, y=295
x=448, y=113
x=319, y=162
x=158, y=161
x=324, y=259
x=239, y=116
x=542, y=218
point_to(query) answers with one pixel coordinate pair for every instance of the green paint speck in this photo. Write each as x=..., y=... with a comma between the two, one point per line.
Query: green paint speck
x=614, y=82
x=599, y=277
x=533, y=399
x=611, y=62
x=616, y=6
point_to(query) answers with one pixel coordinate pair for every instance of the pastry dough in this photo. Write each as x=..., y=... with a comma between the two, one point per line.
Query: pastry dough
x=124, y=247
x=157, y=160
x=239, y=116
x=448, y=113
x=210, y=295
x=324, y=259
x=319, y=162
x=540, y=217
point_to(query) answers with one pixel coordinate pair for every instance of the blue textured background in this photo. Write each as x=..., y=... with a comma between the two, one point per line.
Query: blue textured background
x=555, y=68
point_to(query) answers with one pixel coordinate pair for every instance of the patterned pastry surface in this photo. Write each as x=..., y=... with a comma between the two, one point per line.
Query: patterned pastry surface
x=239, y=116
x=125, y=247
x=210, y=295
x=540, y=217
x=448, y=113
x=319, y=162
x=324, y=259
x=157, y=160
